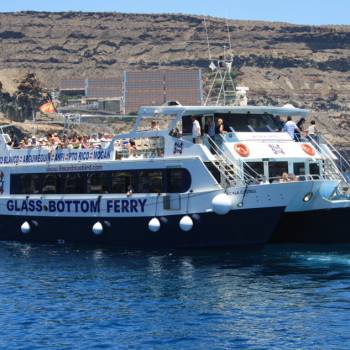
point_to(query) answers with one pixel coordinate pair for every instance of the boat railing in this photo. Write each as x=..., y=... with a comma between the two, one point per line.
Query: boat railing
x=231, y=173
x=330, y=169
x=343, y=163
x=143, y=147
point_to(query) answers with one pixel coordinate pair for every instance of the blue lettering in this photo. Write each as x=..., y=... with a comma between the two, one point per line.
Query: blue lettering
x=133, y=205
x=142, y=203
x=60, y=206
x=52, y=206
x=125, y=206
x=10, y=205
x=24, y=206
x=76, y=203
x=95, y=206
x=84, y=206
x=109, y=205
x=31, y=205
x=39, y=205
x=68, y=205
x=117, y=206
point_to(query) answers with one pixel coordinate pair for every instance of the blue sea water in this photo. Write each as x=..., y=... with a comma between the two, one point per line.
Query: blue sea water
x=67, y=297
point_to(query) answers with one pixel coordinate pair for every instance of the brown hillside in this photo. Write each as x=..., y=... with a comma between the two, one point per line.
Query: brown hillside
x=304, y=65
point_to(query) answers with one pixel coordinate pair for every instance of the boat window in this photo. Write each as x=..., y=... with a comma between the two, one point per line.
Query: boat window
x=155, y=123
x=51, y=184
x=121, y=182
x=314, y=169
x=276, y=169
x=249, y=122
x=98, y=182
x=150, y=181
x=178, y=180
x=299, y=168
x=73, y=183
x=25, y=184
x=255, y=169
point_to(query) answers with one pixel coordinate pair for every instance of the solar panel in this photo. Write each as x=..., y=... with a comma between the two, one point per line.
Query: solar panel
x=72, y=84
x=156, y=87
x=104, y=87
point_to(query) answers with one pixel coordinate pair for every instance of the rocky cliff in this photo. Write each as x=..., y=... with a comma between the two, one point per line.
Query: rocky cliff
x=307, y=66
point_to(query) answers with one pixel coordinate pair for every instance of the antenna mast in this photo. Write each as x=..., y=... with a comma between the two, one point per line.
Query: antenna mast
x=229, y=35
x=206, y=32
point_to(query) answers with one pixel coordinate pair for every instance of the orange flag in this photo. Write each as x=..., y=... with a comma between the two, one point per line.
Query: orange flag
x=47, y=107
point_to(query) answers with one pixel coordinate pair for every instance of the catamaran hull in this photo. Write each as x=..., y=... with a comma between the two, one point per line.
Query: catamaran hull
x=241, y=227
x=316, y=226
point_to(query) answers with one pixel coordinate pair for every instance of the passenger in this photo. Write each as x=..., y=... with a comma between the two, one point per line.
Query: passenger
x=85, y=143
x=56, y=138
x=211, y=133
x=300, y=125
x=75, y=142
x=196, y=130
x=154, y=125
x=24, y=143
x=14, y=140
x=312, y=131
x=219, y=129
x=130, y=191
x=33, y=141
x=211, y=127
x=290, y=127
x=284, y=178
x=132, y=147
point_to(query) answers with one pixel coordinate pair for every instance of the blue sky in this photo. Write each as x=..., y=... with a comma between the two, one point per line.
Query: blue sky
x=294, y=11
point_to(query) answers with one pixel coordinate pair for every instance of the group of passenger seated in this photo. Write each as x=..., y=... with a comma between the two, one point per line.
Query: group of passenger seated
x=285, y=177
x=53, y=141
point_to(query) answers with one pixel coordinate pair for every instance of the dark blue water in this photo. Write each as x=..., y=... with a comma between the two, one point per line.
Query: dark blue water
x=283, y=297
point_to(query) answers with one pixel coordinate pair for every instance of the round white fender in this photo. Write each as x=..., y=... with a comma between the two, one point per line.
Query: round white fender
x=154, y=225
x=186, y=223
x=221, y=204
x=97, y=229
x=25, y=227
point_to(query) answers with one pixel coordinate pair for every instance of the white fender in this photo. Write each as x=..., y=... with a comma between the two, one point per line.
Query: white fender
x=186, y=223
x=221, y=204
x=154, y=225
x=97, y=229
x=25, y=227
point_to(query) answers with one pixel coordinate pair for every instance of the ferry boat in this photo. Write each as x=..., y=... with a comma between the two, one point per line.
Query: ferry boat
x=261, y=149
x=164, y=191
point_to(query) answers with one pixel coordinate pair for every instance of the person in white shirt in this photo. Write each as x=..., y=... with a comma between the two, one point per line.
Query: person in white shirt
x=312, y=131
x=196, y=130
x=290, y=127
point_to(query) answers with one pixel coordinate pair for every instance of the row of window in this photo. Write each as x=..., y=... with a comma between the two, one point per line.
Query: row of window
x=276, y=169
x=237, y=122
x=174, y=180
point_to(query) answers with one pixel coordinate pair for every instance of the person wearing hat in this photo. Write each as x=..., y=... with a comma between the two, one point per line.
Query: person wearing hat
x=33, y=141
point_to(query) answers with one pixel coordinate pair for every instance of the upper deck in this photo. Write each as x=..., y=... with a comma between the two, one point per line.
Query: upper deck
x=165, y=132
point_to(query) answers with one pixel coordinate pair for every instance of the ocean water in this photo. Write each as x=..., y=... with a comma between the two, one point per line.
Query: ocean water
x=68, y=297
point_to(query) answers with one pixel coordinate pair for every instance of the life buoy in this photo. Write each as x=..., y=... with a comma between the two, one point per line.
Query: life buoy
x=308, y=149
x=242, y=149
